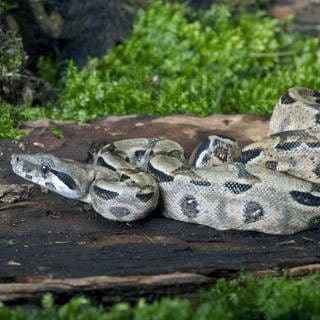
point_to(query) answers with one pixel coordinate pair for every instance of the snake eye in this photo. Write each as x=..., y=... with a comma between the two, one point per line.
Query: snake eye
x=45, y=167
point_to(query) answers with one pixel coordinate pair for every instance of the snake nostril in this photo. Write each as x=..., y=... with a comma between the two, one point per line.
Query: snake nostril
x=17, y=158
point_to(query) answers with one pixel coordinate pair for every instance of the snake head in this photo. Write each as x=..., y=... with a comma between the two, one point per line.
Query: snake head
x=66, y=177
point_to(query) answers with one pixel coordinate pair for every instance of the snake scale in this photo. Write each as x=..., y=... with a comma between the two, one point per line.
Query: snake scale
x=270, y=186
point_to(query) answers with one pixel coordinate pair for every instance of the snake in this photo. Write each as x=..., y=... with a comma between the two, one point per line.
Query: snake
x=270, y=186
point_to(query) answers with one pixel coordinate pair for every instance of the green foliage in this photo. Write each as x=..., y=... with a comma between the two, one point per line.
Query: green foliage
x=176, y=61
x=245, y=297
x=179, y=60
x=10, y=243
x=57, y=132
x=8, y=121
x=48, y=71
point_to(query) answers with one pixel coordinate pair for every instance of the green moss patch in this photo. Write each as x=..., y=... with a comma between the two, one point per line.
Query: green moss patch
x=246, y=297
x=179, y=60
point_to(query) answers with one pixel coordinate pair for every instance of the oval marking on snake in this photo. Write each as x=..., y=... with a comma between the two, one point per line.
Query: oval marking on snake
x=271, y=165
x=190, y=206
x=119, y=212
x=105, y=194
x=202, y=183
x=305, y=198
x=236, y=187
x=252, y=212
x=145, y=197
x=287, y=99
x=288, y=145
x=248, y=155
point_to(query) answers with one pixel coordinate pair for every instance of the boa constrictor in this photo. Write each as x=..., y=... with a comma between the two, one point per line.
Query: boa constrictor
x=270, y=186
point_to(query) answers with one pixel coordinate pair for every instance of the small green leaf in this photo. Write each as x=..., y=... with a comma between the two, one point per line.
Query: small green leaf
x=57, y=132
x=10, y=243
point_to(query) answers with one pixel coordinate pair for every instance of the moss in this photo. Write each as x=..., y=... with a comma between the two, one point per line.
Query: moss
x=176, y=61
x=245, y=297
x=8, y=123
x=57, y=132
x=179, y=60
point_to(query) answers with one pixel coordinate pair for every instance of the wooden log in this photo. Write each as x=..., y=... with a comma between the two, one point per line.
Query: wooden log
x=49, y=243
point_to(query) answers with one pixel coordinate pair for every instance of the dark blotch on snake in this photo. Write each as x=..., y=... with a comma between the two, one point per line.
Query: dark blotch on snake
x=119, y=212
x=139, y=154
x=305, y=198
x=248, y=155
x=159, y=174
x=105, y=194
x=102, y=163
x=318, y=118
x=271, y=165
x=252, y=212
x=190, y=206
x=50, y=185
x=314, y=144
x=145, y=197
x=286, y=99
x=28, y=176
x=316, y=170
x=236, y=187
x=65, y=178
x=288, y=145
x=202, y=183
x=124, y=177
x=28, y=166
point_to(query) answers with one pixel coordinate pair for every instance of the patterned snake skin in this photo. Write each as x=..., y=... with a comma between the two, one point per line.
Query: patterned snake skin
x=270, y=186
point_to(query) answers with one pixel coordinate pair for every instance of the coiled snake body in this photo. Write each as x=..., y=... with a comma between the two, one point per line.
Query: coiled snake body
x=270, y=186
